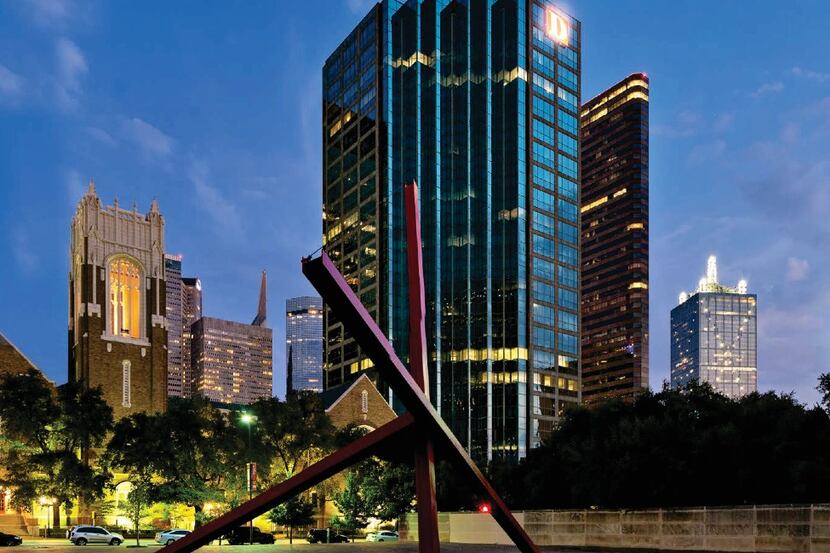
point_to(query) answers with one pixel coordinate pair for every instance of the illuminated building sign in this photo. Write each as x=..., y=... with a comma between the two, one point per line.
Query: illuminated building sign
x=557, y=27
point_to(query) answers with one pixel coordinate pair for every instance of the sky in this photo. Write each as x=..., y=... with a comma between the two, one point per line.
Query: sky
x=214, y=109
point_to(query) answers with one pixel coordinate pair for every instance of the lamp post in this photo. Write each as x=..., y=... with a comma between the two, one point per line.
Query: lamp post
x=248, y=420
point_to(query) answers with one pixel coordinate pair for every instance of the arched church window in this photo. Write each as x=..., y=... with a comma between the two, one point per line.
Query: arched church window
x=125, y=298
x=364, y=401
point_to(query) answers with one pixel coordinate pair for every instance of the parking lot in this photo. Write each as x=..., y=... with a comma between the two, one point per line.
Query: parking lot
x=62, y=545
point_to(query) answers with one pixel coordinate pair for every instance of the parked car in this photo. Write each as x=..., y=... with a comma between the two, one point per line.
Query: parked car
x=242, y=535
x=83, y=535
x=383, y=535
x=325, y=535
x=169, y=536
x=8, y=540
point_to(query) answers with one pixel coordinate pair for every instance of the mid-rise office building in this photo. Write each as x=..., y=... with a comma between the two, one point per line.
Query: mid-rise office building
x=231, y=361
x=477, y=102
x=714, y=337
x=615, y=242
x=117, y=334
x=184, y=307
x=304, y=343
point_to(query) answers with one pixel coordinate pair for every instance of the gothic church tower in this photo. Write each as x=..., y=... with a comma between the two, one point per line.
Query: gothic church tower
x=117, y=328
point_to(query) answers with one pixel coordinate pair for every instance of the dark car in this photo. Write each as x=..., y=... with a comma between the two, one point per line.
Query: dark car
x=10, y=539
x=325, y=535
x=242, y=535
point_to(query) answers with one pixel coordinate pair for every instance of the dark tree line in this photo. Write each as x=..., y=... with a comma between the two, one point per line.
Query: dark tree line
x=678, y=448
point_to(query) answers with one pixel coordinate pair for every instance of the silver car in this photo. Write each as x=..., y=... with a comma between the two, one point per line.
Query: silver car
x=83, y=535
x=169, y=536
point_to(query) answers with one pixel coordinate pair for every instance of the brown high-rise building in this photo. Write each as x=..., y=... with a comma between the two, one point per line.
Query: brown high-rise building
x=117, y=323
x=184, y=307
x=614, y=128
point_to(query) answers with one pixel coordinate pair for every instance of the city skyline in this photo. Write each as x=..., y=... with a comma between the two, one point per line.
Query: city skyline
x=65, y=121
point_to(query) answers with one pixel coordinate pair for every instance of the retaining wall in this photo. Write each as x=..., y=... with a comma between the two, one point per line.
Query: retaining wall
x=769, y=528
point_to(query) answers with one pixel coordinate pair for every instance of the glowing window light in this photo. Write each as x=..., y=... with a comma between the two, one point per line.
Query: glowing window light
x=557, y=27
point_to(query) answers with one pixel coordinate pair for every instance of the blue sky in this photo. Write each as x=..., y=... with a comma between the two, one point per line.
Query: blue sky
x=214, y=109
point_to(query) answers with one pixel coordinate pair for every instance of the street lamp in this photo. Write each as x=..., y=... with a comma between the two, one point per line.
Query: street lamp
x=248, y=420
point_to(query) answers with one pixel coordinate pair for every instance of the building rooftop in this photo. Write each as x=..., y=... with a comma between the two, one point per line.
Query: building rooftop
x=710, y=284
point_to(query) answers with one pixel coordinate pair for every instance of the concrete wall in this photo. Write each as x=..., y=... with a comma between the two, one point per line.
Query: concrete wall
x=785, y=529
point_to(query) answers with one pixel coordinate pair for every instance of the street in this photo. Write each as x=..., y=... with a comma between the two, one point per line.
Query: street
x=63, y=546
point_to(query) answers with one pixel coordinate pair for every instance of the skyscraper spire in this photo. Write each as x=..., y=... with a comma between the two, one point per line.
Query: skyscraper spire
x=260, y=318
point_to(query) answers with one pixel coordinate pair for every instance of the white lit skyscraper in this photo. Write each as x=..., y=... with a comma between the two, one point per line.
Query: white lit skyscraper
x=304, y=343
x=714, y=337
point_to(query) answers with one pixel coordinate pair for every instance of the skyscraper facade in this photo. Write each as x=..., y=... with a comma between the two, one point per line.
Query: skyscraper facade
x=478, y=102
x=304, y=343
x=173, y=284
x=231, y=361
x=117, y=336
x=714, y=337
x=615, y=242
x=191, y=312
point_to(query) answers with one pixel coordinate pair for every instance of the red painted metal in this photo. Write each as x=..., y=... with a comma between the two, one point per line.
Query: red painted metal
x=424, y=452
x=339, y=297
x=376, y=442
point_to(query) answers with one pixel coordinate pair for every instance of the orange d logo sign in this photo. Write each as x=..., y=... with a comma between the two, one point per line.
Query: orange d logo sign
x=557, y=27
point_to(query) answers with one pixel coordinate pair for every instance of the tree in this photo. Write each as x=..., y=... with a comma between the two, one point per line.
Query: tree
x=190, y=450
x=137, y=505
x=45, y=429
x=352, y=505
x=292, y=434
x=294, y=512
x=824, y=389
x=388, y=489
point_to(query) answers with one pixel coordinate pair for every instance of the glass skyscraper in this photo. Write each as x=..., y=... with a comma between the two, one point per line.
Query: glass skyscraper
x=615, y=242
x=715, y=338
x=304, y=343
x=478, y=102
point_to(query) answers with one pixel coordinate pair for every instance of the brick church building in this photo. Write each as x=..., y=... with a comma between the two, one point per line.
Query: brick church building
x=117, y=327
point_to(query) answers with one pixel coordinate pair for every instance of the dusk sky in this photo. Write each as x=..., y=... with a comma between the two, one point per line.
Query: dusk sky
x=214, y=109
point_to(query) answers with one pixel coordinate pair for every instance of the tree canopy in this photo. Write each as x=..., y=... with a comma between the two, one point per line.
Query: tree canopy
x=43, y=429
x=678, y=448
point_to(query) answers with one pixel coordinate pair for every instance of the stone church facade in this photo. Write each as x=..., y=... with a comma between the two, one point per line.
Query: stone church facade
x=117, y=327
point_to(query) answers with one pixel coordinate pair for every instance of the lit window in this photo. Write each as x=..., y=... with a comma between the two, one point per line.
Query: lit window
x=125, y=298
x=125, y=384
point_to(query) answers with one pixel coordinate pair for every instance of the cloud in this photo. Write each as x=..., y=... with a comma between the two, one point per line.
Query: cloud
x=811, y=75
x=71, y=68
x=797, y=269
x=11, y=84
x=48, y=12
x=150, y=140
x=225, y=215
x=767, y=88
x=75, y=187
x=723, y=122
x=25, y=256
x=101, y=136
x=685, y=123
x=707, y=151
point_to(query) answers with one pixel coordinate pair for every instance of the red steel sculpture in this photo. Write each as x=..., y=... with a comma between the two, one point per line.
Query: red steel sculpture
x=421, y=428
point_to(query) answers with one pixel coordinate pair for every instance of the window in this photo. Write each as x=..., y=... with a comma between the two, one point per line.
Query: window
x=567, y=121
x=543, y=268
x=543, y=337
x=364, y=401
x=544, y=292
x=543, y=178
x=567, y=299
x=567, y=78
x=125, y=298
x=567, y=144
x=567, y=233
x=567, y=254
x=543, y=200
x=543, y=314
x=543, y=132
x=567, y=342
x=543, y=155
x=125, y=384
x=545, y=65
x=567, y=188
x=543, y=109
x=543, y=223
x=542, y=245
x=567, y=321
x=567, y=210
x=567, y=166
x=567, y=277
x=567, y=100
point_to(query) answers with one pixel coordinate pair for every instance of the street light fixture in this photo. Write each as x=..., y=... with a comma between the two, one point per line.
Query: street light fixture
x=248, y=420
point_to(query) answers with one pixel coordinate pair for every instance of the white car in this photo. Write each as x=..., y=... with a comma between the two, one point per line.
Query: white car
x=169, y=536
x=83, y=535
x=383, y=535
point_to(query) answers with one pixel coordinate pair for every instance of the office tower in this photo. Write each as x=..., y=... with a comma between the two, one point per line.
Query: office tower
x=184, y=307
x=304, y=343
x=478, y=102
x=173, y=299
x=232, y=362
x=615, y=242
x=714, y=337
x=117, y=336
